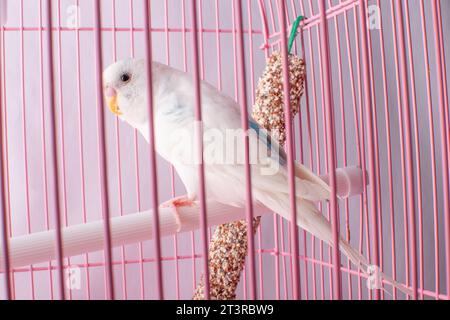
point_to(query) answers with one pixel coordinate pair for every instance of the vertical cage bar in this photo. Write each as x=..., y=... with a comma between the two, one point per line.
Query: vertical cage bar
x=442, y=64
x=317, y=112
x=43, y=134
x=136, y=160
x=265, y=28
x=389, y=155
x=316, y=133
x=24, y=141
x=245, y=127
x=253, y=92
x=237, y=96
x=54, y=154
x=329, y=122
x=290, y=153
x=201, y=44
x=273, y=23
x=401, y=138
x=355, y=120
x=235, y=62
x=325, y=142
x=426, y=56
x=343, y=135
x=153, y=168
x=412, y=72
x=4, y=151
x=359, y=119
x=172, y=170
x=370, y=132
x=377, y=183
x=311, y=161
x=118, y=152
x=62, y=126
x=199, y=136
x=185, y=68
x=81, y=149
x=218, y=45
x=409, y=153
x=3, y=212
x=102, y=162
x=285, y=255
x=277, y=258
x=444, y=142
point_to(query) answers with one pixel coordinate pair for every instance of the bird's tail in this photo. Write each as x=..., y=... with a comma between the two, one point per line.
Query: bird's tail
x=310, y=219
x=365, y=267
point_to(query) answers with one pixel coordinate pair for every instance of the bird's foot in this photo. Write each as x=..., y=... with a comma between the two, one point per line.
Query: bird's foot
x=175, y=203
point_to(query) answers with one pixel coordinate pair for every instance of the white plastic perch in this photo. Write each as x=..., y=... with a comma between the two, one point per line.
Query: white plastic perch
x=40, y=247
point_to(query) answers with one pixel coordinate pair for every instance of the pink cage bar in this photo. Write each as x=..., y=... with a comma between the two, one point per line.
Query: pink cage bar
x=376, y=98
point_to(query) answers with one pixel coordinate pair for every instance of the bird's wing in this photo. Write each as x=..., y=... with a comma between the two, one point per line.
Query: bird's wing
x=308, y=177
x=221, y=112
x=304, y=173
x=301, y=171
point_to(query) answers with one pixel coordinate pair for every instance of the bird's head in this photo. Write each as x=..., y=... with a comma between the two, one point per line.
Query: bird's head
x=124, y=89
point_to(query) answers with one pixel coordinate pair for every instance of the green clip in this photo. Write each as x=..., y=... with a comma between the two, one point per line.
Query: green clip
x=294, y=32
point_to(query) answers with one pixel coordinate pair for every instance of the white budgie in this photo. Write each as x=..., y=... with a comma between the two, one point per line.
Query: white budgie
x=175, y=127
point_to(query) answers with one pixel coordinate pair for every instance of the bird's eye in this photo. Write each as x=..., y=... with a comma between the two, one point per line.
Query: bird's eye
x=125, y=77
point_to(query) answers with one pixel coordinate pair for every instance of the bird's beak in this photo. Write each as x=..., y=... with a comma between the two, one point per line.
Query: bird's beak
x=111, y=98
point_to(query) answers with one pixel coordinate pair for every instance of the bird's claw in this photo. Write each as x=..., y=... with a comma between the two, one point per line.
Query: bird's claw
x=175, y=204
